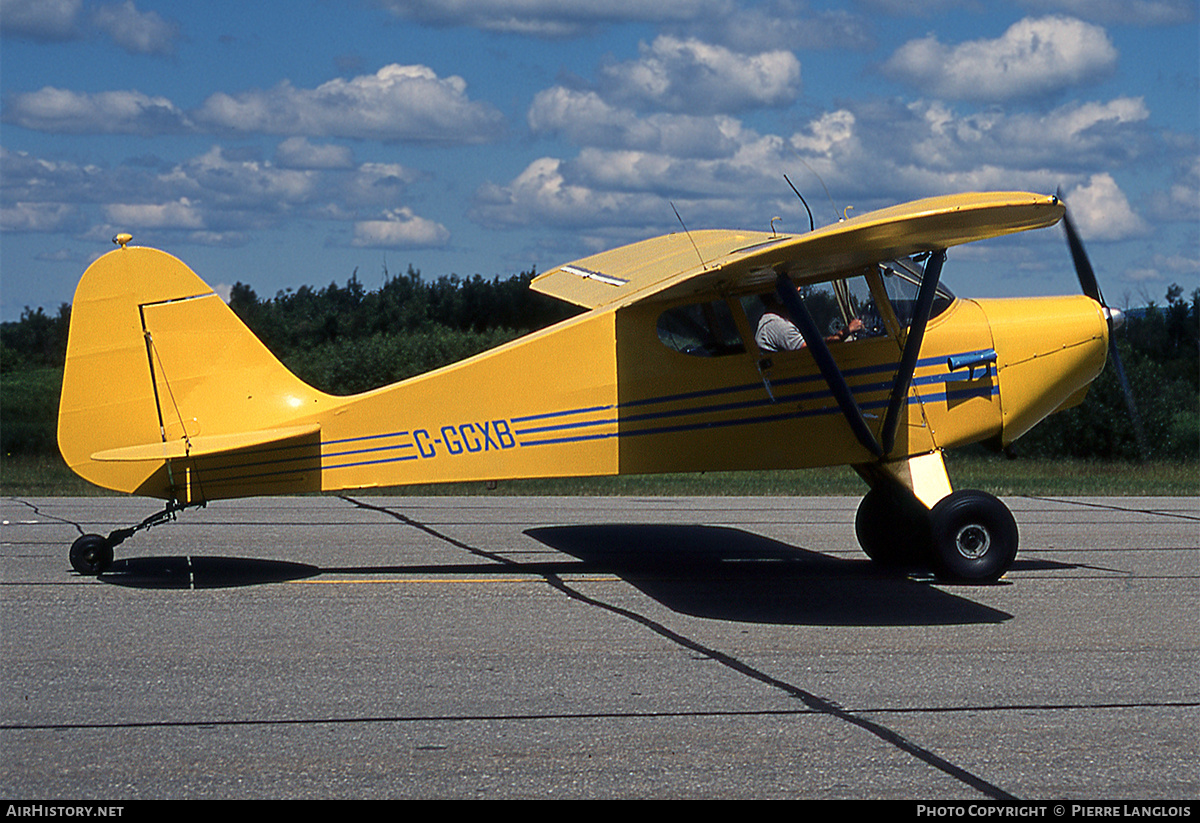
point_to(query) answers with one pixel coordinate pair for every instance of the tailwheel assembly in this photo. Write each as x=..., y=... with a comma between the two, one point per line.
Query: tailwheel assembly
x=92, y=554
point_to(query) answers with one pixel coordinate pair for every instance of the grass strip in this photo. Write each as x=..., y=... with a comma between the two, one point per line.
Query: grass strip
x=24, y=476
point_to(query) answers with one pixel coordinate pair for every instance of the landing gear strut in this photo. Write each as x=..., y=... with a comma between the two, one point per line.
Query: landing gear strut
x=92, y=554
x=968, y=536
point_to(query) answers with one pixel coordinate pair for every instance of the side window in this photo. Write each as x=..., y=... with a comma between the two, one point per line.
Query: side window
x=701, y=330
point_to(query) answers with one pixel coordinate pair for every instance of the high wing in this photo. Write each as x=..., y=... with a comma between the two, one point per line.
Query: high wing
x=677, y=265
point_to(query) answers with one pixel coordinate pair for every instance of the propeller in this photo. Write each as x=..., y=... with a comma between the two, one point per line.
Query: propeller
x=1091, y=287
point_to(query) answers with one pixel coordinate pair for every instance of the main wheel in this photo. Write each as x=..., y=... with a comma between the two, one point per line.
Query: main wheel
x=893, y=527
x=974, y=537
x=91, y=554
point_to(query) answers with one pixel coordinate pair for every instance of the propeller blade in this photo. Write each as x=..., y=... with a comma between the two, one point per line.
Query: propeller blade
x=1138, y=432
x=1083, y=267
x=1091, y=287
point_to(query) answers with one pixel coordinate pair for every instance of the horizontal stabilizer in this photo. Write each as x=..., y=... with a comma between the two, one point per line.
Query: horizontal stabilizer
x=203, y=446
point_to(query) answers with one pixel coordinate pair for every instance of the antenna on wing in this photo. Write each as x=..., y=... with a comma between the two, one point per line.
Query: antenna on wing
x=819, y=180
x=812, y=226
x=689, y=236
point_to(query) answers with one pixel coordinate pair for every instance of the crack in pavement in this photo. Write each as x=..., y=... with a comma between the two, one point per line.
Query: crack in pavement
x=41, y=513
x=814, y=702
x=1107, y=507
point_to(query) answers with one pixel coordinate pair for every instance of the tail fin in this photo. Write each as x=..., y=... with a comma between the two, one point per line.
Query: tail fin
x=167, y=394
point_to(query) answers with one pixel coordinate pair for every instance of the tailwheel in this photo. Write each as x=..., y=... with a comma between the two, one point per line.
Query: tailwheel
x=974, y=537
x=91, y=554
x=892, y=527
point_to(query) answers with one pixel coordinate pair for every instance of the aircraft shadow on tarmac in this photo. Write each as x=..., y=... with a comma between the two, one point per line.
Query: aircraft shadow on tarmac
x=706, y=571
x=202, y=572
x=729, y=574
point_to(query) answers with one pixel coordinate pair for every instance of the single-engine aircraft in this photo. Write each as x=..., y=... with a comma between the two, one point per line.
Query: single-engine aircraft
x=167, y=394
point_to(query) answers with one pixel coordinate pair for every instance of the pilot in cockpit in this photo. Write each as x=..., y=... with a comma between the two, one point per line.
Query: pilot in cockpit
x=776, y=332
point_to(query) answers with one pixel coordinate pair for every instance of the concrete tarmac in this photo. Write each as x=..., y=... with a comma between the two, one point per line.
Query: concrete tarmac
x=507, y=647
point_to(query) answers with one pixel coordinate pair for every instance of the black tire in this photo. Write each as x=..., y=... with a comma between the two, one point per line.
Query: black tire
x=892, y=528
x=91, y=554
x=974, y=537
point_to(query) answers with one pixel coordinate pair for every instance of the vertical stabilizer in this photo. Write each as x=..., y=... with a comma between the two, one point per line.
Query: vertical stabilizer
x=154, y=356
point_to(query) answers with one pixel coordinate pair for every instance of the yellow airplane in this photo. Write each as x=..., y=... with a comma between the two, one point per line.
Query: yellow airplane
x=167, y=394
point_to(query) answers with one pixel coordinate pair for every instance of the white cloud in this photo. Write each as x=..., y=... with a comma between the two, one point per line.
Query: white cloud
x=774, y=24
x=785, y=24
x=230, y=183
x=210, y=189
x=626, y=192
x=1032, y=58
x=587, y=120
x=22, y=216
x=28, y=179
x=827, y=131
x=45, y=20
x=178, y=214
x=223, y=239
x=1180, y=198
x=867, y=154
x=699, y=78
x=48, y=21
x=742, y=176
x=396, y=103
x=549, y=18
x=542, y=194
x=1162, y=268
x=1133, y=12
x=1073, y=136
x=217, y=197
x=1102, y=212
x=914, y=8
x=399, y=228
x=109, y=112
x=299, y=153
x=135, y=31
x=376, y=184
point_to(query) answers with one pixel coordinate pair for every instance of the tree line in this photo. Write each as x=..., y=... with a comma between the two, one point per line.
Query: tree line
x=344, y=339
x=1159, y=347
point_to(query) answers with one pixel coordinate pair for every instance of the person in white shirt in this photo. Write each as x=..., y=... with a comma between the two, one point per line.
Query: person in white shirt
x=777, y=333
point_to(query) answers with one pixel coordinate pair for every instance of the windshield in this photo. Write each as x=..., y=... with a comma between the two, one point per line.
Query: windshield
x=902, y=279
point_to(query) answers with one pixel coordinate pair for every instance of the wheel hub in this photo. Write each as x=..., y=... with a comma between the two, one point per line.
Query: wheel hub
x=972, y=541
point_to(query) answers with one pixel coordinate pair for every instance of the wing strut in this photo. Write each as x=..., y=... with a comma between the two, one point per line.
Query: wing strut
x=912, y=348
x=825, y=362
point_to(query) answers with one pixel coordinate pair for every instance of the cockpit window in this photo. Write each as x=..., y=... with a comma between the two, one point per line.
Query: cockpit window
x=701, y=329
x=902, y=279
x=708, y=329
x=834, y=306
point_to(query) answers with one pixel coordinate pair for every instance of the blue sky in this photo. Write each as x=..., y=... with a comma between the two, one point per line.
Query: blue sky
x=283, y=144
